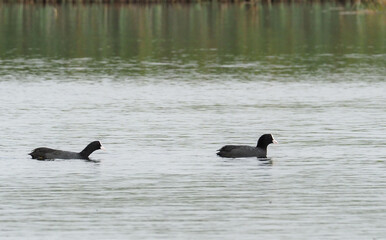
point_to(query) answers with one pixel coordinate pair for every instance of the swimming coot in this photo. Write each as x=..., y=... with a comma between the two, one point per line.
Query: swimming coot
x=240, y=151
x=49, y=153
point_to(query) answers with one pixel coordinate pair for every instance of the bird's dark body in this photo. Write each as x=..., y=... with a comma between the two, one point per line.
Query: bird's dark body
x=49, y=153
x=240, y=151
x=44, y=153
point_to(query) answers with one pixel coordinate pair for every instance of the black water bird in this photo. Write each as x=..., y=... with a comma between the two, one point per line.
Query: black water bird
x=44, y=153
x=241, y=151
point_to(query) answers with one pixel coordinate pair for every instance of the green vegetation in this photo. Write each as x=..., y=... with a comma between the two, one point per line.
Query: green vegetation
x=196, y=36
x=133, y=31
x=361, y=3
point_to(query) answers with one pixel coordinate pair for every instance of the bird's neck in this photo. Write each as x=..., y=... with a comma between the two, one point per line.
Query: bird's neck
x=262, y=146
x=87, y=151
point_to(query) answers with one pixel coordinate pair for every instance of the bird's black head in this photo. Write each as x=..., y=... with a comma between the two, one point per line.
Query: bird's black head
x=265, y=140
x=96, y=145
x=91, y=147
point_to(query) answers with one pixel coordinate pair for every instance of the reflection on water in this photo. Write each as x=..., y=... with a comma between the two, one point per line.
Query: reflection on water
x=201, y=33
x=165, y=106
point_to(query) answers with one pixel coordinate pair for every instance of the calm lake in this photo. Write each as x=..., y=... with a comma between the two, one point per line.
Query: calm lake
x=163, y=86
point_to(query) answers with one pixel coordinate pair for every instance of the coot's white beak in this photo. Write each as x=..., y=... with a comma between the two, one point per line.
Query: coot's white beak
x=274, y=141
x=103, y=148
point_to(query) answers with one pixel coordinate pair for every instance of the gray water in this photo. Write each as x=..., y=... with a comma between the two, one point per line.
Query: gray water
x=162, y=118
x=160, y=177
